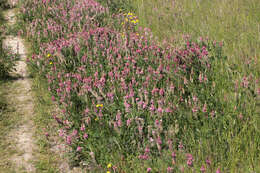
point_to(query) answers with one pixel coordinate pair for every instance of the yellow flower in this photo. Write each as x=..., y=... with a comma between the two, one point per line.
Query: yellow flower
x=137, y=20
x=50, y=63
x=96, y=119
x=99, y=105
x=108, y=171
x=122, y=35
x=48, y=55
x=130, y=14
x=126, y=19
x=109, y=165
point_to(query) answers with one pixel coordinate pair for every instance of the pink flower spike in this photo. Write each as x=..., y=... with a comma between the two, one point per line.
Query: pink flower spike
x=85, y=136
x=149, y=169
x=218, y=171
x=78, y=148
x=169, y=169
x=203, y=169
x=68, y=140
x=46, y=134
x=173, y=155
x=82, y=128
x=208, y=162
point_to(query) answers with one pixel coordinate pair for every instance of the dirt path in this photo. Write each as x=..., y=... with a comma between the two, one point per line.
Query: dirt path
x=21, y=138
x=20, y=97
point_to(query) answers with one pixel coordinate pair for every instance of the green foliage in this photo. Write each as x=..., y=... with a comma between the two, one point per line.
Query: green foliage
x=7, y=61
x=3, y=4
x=116, y=6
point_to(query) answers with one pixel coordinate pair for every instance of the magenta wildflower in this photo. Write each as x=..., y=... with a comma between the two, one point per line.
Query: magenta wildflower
x=169, y=169
x=68, y=140
x=180, y=146
x=47, y=134
x=194, y=109
x=189, y=160
x=79, y=148
x=149, y=169
x=208, y=161
x=204, y=109
x=82, y=128
x=147, y=150
x=74, y=133
x=173, y=155
x=144, y=157
x=128, y=122
x=203, y=169
x=85, y=136
x=218, y=171
x=61, y=133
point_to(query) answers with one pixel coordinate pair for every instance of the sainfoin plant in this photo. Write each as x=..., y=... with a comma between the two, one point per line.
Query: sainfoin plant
x=122, y=94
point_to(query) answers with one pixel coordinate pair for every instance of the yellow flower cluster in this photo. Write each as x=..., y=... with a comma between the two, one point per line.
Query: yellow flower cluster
x=109, y=165
x=99, y=105
x=123, y=35
x=48, y=56
x=130, y=17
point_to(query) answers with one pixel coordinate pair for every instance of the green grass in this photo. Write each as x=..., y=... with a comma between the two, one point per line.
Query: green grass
x=236, y=23
x=8, y=121
x=46, y=161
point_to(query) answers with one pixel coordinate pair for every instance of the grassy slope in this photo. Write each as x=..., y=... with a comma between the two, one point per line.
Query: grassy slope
x=237, y=24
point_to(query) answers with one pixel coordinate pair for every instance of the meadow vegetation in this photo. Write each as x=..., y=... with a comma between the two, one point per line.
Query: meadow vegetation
x=133, y=103
x=7, y=59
